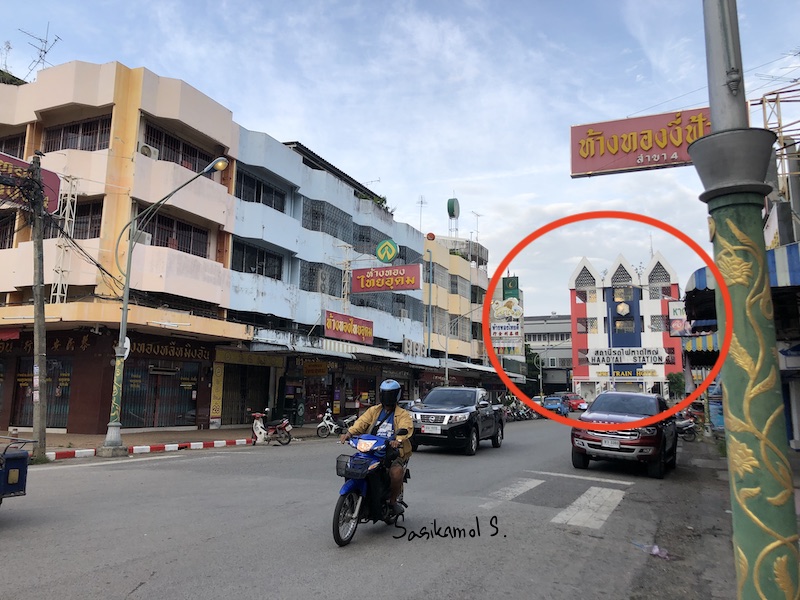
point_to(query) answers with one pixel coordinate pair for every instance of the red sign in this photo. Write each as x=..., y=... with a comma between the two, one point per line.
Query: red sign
x=652, y=142
x=345, y=327
x=386, y=279
x=18, y=169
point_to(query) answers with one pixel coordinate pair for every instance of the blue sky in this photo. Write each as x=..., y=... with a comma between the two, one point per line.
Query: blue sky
x=437, y=99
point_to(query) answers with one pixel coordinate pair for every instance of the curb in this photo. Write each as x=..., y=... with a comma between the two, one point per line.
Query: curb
x=63, y=454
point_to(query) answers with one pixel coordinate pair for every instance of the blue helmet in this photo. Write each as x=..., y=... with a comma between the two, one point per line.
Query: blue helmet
x=390, y=393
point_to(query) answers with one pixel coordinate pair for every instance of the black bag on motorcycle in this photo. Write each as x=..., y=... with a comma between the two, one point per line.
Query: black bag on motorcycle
x=377, y=493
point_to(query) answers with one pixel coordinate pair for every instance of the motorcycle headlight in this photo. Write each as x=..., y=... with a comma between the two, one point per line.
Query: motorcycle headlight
x=459, y=418
x=365, y=445
x=648, y=430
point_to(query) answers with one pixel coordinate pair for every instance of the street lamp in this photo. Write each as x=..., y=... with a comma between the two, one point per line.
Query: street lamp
x=112, y=446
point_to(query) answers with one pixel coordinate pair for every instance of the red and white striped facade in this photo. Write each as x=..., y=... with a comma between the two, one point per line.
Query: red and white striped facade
x=620, y=327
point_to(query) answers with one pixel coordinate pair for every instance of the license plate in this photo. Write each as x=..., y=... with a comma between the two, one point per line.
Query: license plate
x=610, y=443
x=431, y=429
x=288, y=428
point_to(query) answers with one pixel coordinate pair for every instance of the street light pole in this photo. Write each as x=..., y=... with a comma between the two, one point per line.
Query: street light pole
x=112, y=446
x=430, y=298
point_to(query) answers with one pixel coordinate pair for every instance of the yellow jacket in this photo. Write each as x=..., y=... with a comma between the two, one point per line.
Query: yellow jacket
x=402, y=420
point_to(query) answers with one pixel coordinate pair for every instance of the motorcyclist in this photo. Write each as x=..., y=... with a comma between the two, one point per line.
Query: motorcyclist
x=384, y=419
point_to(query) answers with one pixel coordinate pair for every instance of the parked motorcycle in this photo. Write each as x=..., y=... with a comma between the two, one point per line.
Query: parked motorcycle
x=331, y=425
x=687, y=429
x=365, y=493
x=265, y=433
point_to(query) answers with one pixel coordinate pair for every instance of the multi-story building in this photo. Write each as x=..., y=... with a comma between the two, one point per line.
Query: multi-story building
x=240, y=284
x=550, y=338
x=620, y=327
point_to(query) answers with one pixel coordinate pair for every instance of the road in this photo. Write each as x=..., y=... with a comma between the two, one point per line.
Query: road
x=247, y=522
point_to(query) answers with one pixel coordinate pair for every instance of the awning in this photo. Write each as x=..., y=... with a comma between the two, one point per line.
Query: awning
x=783, y=264
x=702, y=343
x=702, y=279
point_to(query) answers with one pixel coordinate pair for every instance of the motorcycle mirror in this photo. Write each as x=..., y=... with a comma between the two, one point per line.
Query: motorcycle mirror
x=402, y=432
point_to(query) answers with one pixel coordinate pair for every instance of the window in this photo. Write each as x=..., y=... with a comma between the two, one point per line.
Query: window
x=252, y=189
x=623, y=294
x=459, y=286
x=624, y=325
x=659, y=323
x=92, y=134
x=587, y=325
x=552, y=360
x=251, y=259
x=172, y=233
x=86, y=225
x=175, y=150
x=13, y=145
x=7, y=219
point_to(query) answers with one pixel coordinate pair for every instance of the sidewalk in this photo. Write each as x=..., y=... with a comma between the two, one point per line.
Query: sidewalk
x=73, y=445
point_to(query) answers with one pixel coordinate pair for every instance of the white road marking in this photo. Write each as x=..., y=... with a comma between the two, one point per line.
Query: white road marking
x=585, y=477
x=113, y=461
x=591, y=509
x=510, y=492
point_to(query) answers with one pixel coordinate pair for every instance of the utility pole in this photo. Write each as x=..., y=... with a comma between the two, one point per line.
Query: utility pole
x=732, y=163
x=39, y=384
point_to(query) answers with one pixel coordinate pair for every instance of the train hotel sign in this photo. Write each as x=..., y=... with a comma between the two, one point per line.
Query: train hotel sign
x=651, y=142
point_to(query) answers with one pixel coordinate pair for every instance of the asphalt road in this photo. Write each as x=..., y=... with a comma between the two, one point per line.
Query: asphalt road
x=247, y=522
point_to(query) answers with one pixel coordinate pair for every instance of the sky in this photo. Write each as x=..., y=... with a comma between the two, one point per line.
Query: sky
x=426, y=100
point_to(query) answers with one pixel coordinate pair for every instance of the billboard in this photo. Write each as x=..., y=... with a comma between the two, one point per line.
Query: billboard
x=386, y=279
x=18, y=169
x=636, y=144
x=506, y=326
x=345, y=327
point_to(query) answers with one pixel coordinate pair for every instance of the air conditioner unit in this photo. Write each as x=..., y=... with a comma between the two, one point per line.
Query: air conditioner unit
x=144, y=238
x=149, y=151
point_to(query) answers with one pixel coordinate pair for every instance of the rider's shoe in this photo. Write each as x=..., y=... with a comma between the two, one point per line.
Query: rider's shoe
x=397, y=508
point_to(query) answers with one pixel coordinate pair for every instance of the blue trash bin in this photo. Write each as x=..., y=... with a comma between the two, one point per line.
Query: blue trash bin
x=13, y=472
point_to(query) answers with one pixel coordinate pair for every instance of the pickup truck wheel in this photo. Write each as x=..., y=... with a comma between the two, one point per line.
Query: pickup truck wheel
x=497, y=438
x=580, y=460
x=472, y=443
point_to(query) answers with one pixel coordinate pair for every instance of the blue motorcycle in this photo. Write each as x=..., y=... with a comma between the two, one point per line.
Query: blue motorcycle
x=365, y=493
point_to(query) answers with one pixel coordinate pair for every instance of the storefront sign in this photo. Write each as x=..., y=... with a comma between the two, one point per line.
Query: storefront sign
x=345, y=327
x=18, y=169
x=650, y=142
x=506, y=330
x=385, y=279
x=412, y=348
x=315, y=369
x=239, y=357
x=601, y=356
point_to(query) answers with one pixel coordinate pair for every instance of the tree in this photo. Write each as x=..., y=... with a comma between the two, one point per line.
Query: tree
x=677, y=385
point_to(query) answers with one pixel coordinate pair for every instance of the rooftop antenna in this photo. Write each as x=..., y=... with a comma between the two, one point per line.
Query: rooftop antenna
x=651, y=245
x=477, y=216
x=6, y=51
x=45, y=47
x=421, y=203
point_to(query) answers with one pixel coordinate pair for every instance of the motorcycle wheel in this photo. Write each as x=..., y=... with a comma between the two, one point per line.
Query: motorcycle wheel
x=283, y=437
x=689, y=435
x=345, y=521
x=323, y=431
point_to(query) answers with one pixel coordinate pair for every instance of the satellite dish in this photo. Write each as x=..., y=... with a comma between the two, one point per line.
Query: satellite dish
x=453, y=209
x=431, y=236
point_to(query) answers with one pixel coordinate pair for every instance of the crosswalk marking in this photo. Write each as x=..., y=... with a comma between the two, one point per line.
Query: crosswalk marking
x=586, y=477
x=510, y=492
x=591, y=509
